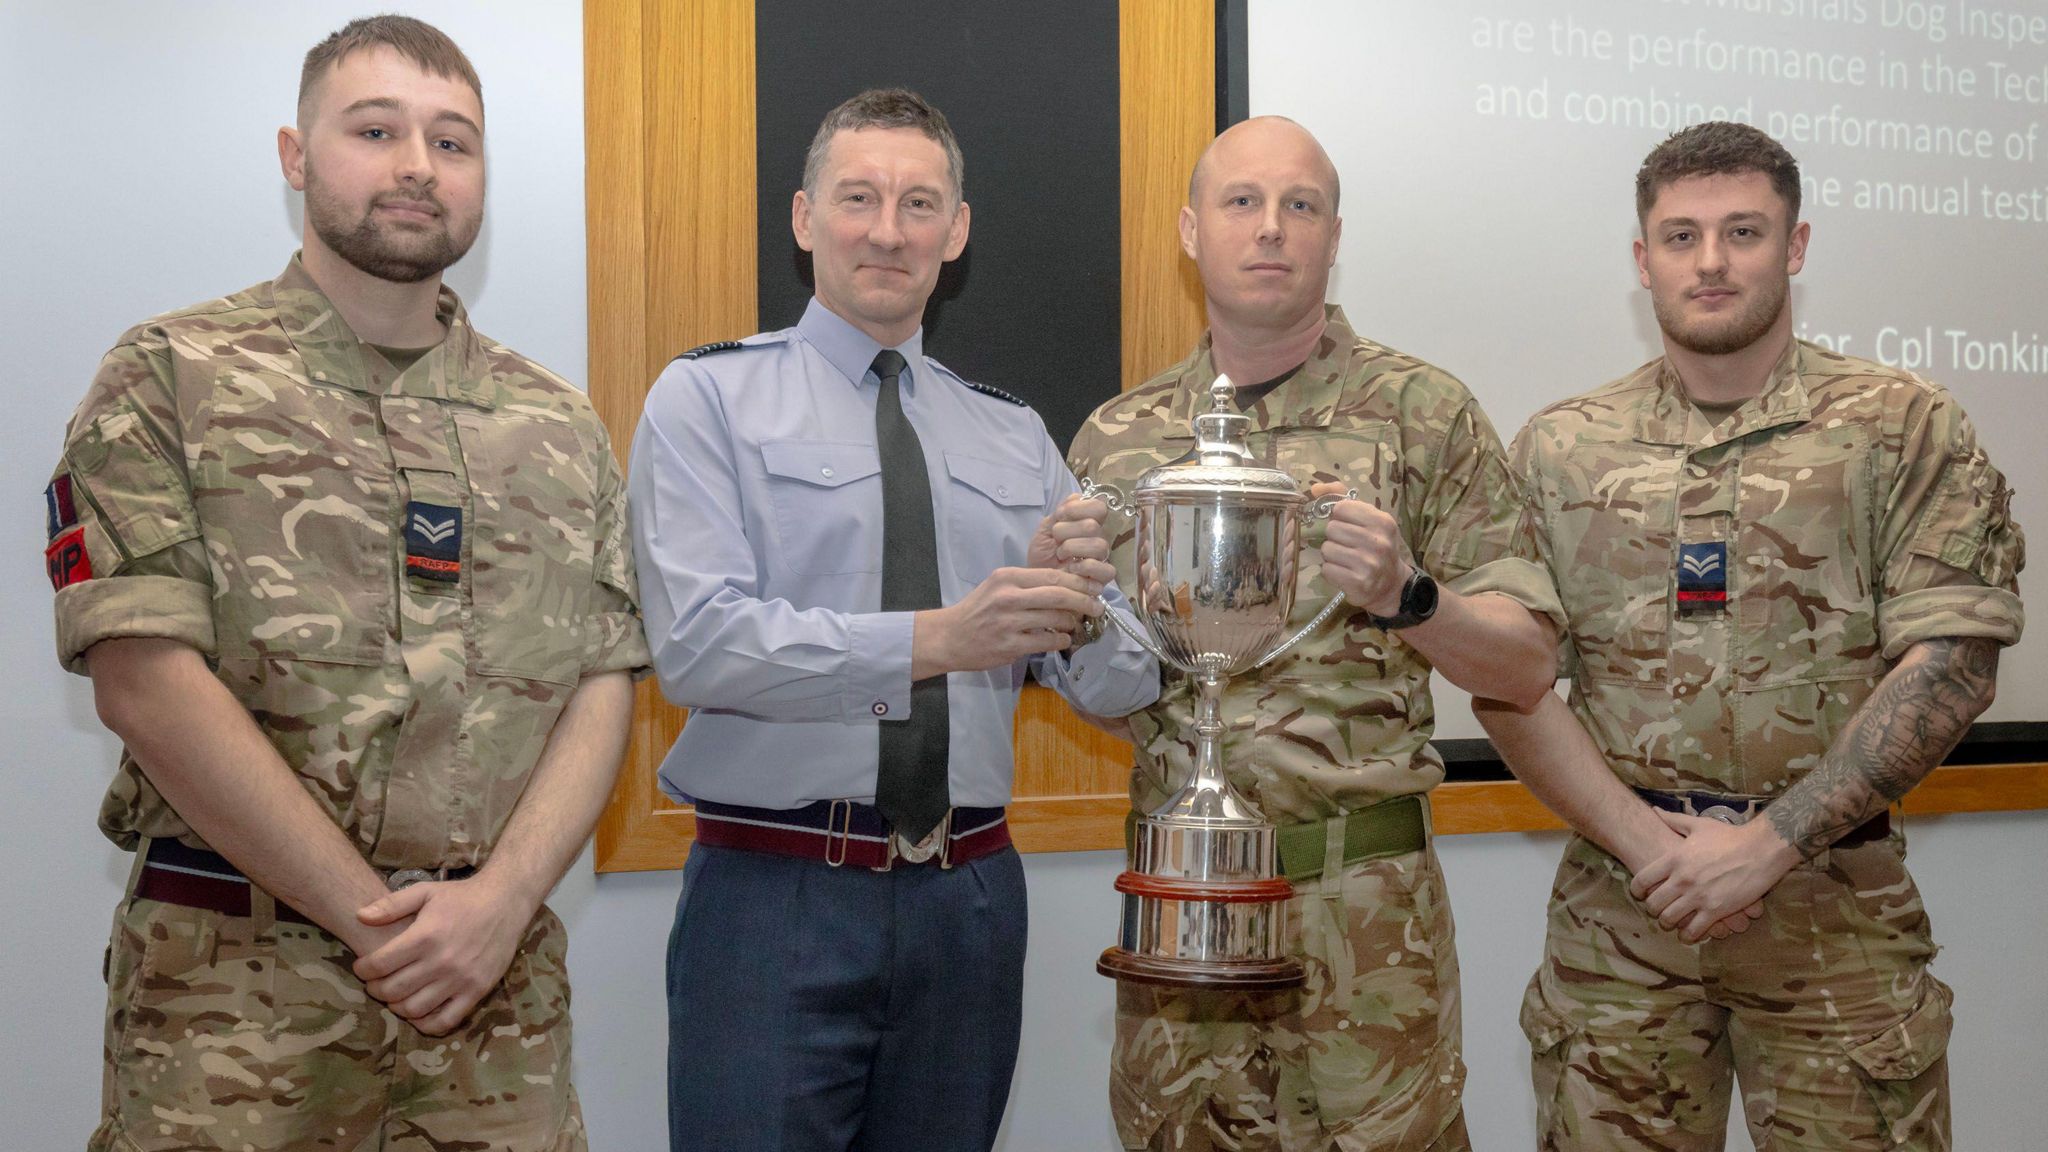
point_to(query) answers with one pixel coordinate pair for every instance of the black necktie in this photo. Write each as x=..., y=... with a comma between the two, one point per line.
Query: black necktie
x=910, y=787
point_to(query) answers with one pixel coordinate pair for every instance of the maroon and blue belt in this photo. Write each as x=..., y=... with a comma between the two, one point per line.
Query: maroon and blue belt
x=841, y=832
x=175, y=873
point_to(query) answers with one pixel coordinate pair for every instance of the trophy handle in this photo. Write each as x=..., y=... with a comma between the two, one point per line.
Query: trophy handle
x=1109, y=495
x=1322, y=617
x=1140, y=637
x=1118, y=502
x=1318, y=509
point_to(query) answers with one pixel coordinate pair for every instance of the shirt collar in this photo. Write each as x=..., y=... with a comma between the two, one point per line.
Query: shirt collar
x=1671, y=419
x=454, y=369
x=849, y=349
x=1307, y=400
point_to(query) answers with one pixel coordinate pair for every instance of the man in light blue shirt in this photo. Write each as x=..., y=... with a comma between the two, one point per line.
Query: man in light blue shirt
x=849, y=559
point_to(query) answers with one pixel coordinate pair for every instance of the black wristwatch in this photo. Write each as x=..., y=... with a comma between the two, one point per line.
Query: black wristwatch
x=1418, y=603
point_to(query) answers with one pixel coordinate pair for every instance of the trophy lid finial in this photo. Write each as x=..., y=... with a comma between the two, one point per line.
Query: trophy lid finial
x=1221, y=461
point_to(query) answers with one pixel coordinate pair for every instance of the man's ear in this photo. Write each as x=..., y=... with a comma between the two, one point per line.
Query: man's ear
x=800, y=219
x=1795, y=248
x=956, y=236
x=291, y=156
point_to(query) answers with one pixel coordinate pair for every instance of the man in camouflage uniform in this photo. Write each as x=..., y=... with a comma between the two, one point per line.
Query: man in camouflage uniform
x=1331, y=742
x=351, y=584
x=1787, y=575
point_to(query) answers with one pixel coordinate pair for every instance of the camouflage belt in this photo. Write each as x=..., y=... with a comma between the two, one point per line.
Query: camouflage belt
x=1739, y=810
x=1390, y=828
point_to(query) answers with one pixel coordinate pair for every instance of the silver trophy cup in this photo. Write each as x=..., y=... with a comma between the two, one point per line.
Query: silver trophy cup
x=1217, y=541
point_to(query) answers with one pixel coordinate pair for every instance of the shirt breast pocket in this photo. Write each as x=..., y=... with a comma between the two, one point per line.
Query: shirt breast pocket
x=1613, y=524
x=827, y=496
x=1803, y=557
x=996, y=507
x=295, y=488
x=533, y=554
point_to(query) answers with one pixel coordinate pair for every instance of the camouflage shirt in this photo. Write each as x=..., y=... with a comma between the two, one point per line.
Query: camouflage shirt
x=1850, y=513
x=402, y=575
x=1343, y=720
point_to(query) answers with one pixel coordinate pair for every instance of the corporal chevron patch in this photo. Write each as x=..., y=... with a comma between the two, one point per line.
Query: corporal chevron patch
x=433, y=542
x=1702, y=578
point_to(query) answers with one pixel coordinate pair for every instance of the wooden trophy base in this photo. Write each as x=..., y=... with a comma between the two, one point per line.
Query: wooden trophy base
x=1226, y=976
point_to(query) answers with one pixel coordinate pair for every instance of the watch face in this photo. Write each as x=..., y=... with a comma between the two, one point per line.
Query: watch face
x=1420, y=600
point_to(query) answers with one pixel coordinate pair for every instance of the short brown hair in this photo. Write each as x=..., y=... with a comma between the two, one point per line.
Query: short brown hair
x=886, y=108
x=1716, y=148
x=416, y=40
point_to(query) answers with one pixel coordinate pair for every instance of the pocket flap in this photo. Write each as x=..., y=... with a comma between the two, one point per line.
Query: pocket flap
x=1911, y=1046
x=1545, y=1027
x=1005, y=484
x=825, y=463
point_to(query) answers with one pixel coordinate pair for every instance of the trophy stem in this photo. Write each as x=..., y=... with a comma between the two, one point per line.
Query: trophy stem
x=1207, y=797
x=1209, y=734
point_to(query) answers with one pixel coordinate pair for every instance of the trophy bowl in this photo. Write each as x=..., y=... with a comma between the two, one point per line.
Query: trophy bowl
x=1218, y=542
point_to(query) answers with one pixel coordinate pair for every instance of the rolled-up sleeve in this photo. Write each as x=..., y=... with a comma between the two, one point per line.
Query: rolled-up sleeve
x=126, y=504
x=1475, y=531
x=1951, y=549
x=617, y=641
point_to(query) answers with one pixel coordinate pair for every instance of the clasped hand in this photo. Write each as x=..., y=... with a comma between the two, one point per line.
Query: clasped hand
x=457, y=946
x=1713, y=881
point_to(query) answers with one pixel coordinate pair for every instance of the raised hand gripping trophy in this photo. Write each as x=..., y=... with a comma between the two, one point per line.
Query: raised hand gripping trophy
x=1217, y=545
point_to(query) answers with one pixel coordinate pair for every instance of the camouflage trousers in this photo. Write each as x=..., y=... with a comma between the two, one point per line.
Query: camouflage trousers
x=1824, y=1012
x=1364, y=1056
x=230, y=1032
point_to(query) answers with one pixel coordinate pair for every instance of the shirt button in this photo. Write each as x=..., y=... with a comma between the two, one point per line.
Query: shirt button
x=825, y=472
x=1002, y=491
x=880, y=709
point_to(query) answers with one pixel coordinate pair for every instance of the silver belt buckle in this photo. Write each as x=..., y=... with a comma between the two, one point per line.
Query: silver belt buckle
x=933, y=844
x=404, y=878
x=1724, y=814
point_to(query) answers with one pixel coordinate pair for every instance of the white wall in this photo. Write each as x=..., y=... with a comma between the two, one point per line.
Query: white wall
x=141, y=176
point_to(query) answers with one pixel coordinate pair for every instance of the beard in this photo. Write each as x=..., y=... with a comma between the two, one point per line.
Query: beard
x=1720, y=336
x=381, y=248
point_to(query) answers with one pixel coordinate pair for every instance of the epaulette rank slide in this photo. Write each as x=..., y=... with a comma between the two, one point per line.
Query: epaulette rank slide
x=708, y=349
x=998, y=393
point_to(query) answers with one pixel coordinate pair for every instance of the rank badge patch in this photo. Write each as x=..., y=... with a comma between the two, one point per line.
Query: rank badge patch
x=433, y=542
x=1702, y=578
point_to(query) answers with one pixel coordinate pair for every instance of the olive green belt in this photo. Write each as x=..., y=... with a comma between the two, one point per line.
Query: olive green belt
x=1390, y=828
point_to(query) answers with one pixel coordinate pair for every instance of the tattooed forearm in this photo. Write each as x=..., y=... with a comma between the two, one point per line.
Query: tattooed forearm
x=1903, y=731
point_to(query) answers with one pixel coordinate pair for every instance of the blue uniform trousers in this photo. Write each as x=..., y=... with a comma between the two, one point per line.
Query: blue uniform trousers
x=821, y=1009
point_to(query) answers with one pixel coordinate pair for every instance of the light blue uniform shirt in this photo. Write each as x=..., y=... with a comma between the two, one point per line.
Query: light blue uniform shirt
x=756, y=504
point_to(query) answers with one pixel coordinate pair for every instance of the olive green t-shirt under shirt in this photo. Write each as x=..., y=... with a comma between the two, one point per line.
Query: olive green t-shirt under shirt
x=1717, y=412
x=1252, y=394
x=401, y=358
